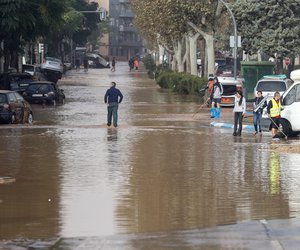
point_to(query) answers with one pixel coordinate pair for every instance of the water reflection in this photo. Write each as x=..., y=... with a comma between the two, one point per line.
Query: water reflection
x=155, y=173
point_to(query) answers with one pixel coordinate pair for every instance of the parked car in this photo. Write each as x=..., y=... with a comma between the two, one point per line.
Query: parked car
x=230, y=87
x=224, y=70
x=13, y=108
x=44, y=92
x=15, y=81
x=52, y=68
x=290, y=115
x=33, y=70
x=271, y=84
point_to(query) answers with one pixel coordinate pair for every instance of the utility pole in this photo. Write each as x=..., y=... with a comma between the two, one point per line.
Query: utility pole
x=235, y=38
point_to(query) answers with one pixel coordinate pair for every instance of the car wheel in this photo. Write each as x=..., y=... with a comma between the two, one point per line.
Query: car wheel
x=285, y=126
x=30, y=118
x=13, y=119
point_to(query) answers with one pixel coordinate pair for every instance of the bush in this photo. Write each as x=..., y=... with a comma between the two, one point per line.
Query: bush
x=182, y=83
x=149, y=65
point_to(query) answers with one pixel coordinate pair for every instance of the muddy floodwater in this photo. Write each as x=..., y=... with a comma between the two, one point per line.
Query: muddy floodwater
x=161, y=170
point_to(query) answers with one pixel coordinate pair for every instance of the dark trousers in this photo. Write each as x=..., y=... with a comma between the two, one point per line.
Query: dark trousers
x=112, y=112
x=238, y=119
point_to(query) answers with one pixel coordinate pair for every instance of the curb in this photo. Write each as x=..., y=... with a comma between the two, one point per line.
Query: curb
x=230, y=126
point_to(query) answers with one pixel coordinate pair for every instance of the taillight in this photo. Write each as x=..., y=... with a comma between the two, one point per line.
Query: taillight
x=6, y=106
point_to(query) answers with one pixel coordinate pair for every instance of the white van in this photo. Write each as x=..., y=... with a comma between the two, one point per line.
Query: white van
x=230, y=86
x=290, y=114
x=268, y=85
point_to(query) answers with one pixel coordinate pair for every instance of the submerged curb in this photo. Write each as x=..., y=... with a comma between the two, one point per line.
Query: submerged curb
x=230, y=126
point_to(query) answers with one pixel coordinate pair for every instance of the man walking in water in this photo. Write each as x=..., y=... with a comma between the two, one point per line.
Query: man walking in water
x=113, y=98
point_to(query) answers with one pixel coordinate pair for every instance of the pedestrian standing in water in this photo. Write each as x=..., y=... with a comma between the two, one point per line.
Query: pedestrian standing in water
x=216, y=96
x=113, y=98
x=239, y=111
x=274, y=111
x=257, y=115
x=113, y=65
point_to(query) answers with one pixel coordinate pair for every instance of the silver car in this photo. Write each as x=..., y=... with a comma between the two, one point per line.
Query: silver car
x=52, y=68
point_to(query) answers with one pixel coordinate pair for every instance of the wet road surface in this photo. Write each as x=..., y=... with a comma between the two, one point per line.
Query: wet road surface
x=162, y=171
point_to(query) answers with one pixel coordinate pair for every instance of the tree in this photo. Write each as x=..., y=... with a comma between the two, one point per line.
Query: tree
x=271, y=26
x=173, y=23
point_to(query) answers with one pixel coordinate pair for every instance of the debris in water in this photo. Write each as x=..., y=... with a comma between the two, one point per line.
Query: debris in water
x=7, y=180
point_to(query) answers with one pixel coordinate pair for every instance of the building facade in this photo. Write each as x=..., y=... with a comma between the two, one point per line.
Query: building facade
x=124, y=40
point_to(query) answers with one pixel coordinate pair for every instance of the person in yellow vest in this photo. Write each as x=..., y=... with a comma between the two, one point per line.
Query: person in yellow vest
x=274, y=111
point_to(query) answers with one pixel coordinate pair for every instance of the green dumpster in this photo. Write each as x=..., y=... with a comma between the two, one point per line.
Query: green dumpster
x=252, y=71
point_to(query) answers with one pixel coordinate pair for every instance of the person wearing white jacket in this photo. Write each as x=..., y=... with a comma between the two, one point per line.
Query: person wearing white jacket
x=239, y=111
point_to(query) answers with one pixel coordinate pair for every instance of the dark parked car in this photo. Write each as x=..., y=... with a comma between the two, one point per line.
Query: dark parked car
x=14, y=109
x=15, y=81
x=44, y=92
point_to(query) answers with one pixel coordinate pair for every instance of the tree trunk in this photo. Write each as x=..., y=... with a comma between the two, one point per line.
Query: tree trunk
x=210, y=48
x=174, y=63
x=210, y=51
x=187, y=57
x=161, y=54
x=178, y=55
x=193, y=53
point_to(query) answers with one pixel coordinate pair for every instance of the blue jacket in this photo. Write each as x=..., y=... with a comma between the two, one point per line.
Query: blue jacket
x=112, y=95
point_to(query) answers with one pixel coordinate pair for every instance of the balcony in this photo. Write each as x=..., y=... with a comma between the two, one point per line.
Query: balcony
x=128, y=14
x=127, y=28
x=126, y=43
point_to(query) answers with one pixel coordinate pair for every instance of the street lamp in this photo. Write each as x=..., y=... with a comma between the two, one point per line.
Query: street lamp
x=235, y=38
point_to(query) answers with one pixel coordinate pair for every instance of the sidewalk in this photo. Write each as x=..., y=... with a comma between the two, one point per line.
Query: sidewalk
x=258, y=234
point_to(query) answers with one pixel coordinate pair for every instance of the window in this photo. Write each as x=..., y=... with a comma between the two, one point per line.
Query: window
x=271, y=86
x=111, y=51
x=19, y=98
x=290, y=98
x=298, y=93
x=2, y=98
x=12, y=97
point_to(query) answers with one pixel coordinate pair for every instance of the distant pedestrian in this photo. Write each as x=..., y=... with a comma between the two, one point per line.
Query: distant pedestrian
x=209, y=90
x=274, y=111
x=77, y=64
x=113, y=64
x=257, y=115
x=86, y=64
x=239, y=111
x=136, y=63
x=131, y=64
x=113, y=98
x=216, y=96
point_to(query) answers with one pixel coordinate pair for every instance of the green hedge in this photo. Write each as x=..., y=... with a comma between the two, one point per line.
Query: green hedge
x=182, y=83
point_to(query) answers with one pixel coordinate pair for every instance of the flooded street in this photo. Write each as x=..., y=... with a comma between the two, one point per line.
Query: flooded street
x=162, y=170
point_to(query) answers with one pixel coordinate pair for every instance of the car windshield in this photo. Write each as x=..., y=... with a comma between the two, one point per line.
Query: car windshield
x=53, y=59
x=2, y=98
x=271, y=86
x=226, y=68
x=229, y=89
x=39, y=88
